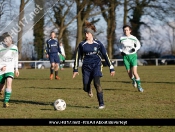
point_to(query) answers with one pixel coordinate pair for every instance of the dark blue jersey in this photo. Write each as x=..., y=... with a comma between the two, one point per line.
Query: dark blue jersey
x=91, y=54
x=52, y=46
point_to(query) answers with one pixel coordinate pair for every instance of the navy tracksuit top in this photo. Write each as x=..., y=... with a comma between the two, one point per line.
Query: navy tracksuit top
x=91, y=54
x=52, y=46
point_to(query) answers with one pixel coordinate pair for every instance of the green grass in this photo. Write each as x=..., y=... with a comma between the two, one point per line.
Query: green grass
x=33, y=96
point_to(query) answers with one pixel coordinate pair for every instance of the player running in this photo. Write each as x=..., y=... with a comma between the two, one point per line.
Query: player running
x=90, y=51
x=129, y=45
x=8, y=62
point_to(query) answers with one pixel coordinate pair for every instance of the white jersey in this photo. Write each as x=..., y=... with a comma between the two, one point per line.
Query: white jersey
x=127, y=43
x=8, y=58
x=62, y=51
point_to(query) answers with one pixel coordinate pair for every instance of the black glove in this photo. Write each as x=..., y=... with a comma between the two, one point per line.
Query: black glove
x=134, y=45
x=122, y=53
x=132, y=49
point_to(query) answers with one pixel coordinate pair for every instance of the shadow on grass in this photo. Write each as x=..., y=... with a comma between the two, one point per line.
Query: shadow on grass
x=76, y=106
x=159, y=82
x=42, y=103
x=116, y=89
x=141, y=82
x=55, y=88
x=68, y=105
x=105, y=89
x=30, y=102
x=48, y=79
x=118, y=81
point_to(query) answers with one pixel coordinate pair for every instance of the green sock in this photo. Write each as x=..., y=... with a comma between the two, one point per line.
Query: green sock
x=138, y=82
x=7, y=97
x=133, y=79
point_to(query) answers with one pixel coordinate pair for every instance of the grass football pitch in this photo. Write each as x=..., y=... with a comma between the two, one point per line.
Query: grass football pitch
x=33, y=95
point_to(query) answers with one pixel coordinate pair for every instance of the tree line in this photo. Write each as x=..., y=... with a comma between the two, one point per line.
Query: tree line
x=63, y=14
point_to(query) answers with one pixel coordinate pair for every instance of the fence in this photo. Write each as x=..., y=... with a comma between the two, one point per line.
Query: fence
x=116, y=62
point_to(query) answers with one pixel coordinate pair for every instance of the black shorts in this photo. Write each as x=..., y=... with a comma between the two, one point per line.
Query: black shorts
x=90, y=71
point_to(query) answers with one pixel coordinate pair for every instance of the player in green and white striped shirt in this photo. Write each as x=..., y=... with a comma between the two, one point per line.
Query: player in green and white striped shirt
x=8, y=61
x=128, y=47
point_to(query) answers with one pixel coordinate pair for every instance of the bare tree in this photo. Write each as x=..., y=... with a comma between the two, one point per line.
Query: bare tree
x=6, y=12
x=108, y=10
x=39, y=28
x=86, y=9
x=157, y=9
x=125, y=11
x=2, y=5
x=27, y=44
x=61, y=16
x=172, y=26
x=20, y=23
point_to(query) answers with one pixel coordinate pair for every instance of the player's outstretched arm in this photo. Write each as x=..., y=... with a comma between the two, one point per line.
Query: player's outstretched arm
x=74, y=74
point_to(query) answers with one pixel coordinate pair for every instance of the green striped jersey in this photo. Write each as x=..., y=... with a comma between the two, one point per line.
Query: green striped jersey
x=8, y=57
x=127, y=43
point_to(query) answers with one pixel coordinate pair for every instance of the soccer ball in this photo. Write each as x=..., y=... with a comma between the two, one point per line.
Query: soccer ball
x=59, y=104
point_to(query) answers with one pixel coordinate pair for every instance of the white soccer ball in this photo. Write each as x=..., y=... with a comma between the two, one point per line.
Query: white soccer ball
x=59, y=104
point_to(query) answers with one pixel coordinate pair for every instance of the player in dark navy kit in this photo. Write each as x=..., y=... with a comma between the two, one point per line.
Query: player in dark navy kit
x=89, y=51
x=52, y=49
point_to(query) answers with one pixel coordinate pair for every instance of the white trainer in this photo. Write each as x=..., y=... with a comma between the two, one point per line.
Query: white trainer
x=134, y=84
x=140, y=89
x=101, y=107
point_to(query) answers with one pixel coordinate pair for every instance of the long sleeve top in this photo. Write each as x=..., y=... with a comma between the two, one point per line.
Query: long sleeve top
x=128, y=43
x=8, y=58
x=52, y=46
x=91, y=53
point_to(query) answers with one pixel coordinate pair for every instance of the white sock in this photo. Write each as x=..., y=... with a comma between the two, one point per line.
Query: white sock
x=8, y=90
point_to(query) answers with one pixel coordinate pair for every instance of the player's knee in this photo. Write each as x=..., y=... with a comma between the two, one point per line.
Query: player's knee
x=52, y=66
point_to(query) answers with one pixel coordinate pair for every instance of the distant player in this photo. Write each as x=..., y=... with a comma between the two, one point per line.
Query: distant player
x=128, y=47
x=8, y=62
x=52, y=49
x=90, y=51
